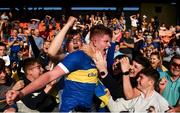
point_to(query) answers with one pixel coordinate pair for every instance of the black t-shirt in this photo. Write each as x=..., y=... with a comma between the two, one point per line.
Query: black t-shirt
x=129, y=41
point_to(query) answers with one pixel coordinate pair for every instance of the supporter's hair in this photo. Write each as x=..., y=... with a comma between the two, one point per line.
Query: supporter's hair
x=100, y=30
x=142, y=60
x=175, y=57
x=158, y=56
x=118, y=66
x=29, y=62
x=2, y=44
x=2, y=64
x=71, y=33
x=46, y=41
x=151, y=73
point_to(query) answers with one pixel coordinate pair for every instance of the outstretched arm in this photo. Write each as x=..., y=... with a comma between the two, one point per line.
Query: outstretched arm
x=44, y=79
x=129, y=91
x=57, y=42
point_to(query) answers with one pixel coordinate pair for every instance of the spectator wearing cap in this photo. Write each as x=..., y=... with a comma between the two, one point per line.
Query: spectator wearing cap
x=127, y=44
x=148, y=47
x=34, y=24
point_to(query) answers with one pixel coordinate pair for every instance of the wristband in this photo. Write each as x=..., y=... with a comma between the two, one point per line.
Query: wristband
x=21, y=94
x=103, y=74
x=126, y=73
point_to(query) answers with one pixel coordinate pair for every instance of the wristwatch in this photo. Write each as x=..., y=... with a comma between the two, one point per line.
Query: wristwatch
x=126, y=73
x=102, y=74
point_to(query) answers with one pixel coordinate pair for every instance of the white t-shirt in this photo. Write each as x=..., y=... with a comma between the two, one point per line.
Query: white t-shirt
x=139, y=104
x=134, y=22
x=6, y=59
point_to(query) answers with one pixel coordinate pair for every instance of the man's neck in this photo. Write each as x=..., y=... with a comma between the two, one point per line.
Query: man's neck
x=148, y=93
x=174, y=78
x=89, y=50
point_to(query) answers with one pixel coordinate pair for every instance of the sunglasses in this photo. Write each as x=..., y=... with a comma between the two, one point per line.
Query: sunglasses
x=175, y=65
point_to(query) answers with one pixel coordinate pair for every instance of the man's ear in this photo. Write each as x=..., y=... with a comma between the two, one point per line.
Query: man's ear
x=29, y=72
x=94, y=43
x=151, y=82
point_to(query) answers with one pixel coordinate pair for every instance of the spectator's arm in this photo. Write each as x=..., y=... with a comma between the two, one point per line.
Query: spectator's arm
x=122, y=45
x=174, y=109
x=129, y=45
x=129, y=91
x=43, y=80
x=34, y=47
x=33, y=102
x=11, y=108
x=18, y=85
x=57, y=42
x=10, y=43
x=131, y=17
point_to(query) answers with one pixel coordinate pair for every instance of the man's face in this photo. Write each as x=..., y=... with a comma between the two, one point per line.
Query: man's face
x=74, y=44
x=46, y=46
x=14, y=33
x=154, y=61
x=175, y=67
x=127, y=34
x=135, y=69
x=143, y=82
x=2, y=50
x=102, y=43
x=35, y=70
x=36, y=32
x=2, y=77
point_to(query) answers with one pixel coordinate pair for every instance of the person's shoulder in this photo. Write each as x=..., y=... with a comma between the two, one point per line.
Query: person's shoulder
x=159, y=97
x=79, y=54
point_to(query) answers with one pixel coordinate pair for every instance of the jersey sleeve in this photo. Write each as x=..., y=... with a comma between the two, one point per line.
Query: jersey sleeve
x=72, y=62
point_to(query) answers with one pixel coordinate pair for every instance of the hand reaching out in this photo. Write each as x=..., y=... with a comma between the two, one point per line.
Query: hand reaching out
x=100, y=62
x=12, y=96
x=125, y=64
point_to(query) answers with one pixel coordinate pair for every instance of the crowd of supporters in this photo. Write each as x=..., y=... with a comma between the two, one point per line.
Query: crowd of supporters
x=29, y=49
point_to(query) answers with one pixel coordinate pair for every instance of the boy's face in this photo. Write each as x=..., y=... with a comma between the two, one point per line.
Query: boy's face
x=135, y=69
x=2, y=77
x=144, y=82
x=2, y=50
x=102, y=43
x=154, y=61
x=35, y=70
x=46, y=46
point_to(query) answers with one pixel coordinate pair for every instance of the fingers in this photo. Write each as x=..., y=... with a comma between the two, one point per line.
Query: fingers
x=125, y=64
x=10, y=97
